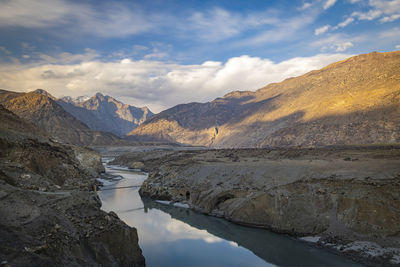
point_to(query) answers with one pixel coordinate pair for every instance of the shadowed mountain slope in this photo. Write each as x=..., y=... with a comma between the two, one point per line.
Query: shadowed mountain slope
x=40, y=109
x=354, y=101
x=104, y=113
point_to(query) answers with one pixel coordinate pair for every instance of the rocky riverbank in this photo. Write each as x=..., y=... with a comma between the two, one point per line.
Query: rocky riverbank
x=345, y=198
x=49, y=211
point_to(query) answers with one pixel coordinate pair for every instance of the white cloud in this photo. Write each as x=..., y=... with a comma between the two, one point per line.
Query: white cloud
x=397, y=46
x=218, y=24
x=321, y=30
x=77, y=17
x=386, y=10
x=337, y=43
x=111, y=19
x=390, y=18
x=158, y=84
x=285, y=29
x=345, y=23
x=370, y=15
x=329, y=3
x=305, y=6
x=343, y=46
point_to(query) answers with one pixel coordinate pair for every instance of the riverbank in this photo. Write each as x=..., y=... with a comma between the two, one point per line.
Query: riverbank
x=343, y=198
x=172, y=235
x=49, y=209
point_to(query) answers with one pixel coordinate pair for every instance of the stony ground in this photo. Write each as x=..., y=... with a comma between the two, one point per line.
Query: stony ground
x=49, y=211
x=349, y=197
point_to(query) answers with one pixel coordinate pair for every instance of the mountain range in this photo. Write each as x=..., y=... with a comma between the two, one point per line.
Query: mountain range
x=104, y=113
x=354, y=101
x=91, y=121
x=41, y=109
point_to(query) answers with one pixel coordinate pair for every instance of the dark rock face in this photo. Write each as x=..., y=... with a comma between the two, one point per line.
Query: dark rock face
x=50, y=215
x=41, y=109
x=104, y=113
x=355, y=101
x=343, y=195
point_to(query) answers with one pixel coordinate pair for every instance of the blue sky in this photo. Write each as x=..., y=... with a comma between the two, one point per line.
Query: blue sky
x=161, y=53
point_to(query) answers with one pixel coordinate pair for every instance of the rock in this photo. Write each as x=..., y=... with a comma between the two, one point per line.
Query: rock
x=136, y=165
x=40, y=226
x=104, y=113
x=300, y=192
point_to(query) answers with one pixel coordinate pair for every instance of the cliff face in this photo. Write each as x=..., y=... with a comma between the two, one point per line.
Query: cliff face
x=345, y=196
x=50, y=215
x=104, y=113
x=41, y=109
x=355, y=101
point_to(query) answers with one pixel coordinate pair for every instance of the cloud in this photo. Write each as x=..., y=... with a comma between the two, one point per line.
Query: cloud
x=390, y=18
x=397, y=46
x=158, y=84
x=370, y=15
x=68, y=58
x=386, y=10
x=329, y=3
x=217, y=24
x=110, y=19
x=343, y=46
x=77, y=17
x=285, y=30
x=345, y=23
x=305, y=6
x=321, y=30
x=337, y=43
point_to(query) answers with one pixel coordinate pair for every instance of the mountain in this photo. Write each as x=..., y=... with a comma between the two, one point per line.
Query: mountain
x=354, y=101
x=44, y=184
x=104, y=113
x=41, y=109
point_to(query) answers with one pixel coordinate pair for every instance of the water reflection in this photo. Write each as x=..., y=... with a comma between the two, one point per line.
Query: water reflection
x=173, y=236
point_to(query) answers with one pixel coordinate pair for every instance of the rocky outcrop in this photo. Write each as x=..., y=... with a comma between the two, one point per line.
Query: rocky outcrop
x=50, y=213
x=340, y=194
x=104, y=113
x=355, y=101
x=41, y=109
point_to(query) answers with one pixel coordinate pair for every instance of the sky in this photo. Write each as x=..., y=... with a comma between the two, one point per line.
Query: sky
x=159, y=53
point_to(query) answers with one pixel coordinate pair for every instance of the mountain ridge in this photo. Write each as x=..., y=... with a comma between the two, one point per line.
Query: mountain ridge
x=360, y=93
x=39, y=108
x=105, y=113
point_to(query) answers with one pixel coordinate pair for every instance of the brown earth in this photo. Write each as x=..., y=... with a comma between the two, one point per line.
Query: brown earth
x=41, y=109
x=49, y=213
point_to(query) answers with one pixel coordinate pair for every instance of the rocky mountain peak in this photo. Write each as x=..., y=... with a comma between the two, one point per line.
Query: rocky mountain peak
x=105, y=113
x=44, y=92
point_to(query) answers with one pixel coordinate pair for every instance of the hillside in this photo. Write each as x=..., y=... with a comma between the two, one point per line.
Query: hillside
x=104, y=113
x=50, y=214
x=354, y=101
x=40, y=109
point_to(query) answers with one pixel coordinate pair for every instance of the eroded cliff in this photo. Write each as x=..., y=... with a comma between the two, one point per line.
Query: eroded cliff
x=50, y=212
x=343, y=195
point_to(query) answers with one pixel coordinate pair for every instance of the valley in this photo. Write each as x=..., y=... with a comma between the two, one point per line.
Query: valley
x=311, y=163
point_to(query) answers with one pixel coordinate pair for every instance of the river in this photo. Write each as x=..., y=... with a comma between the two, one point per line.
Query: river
x=176, y=236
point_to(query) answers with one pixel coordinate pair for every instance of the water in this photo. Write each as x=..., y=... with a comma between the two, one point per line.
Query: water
x=176, y=236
